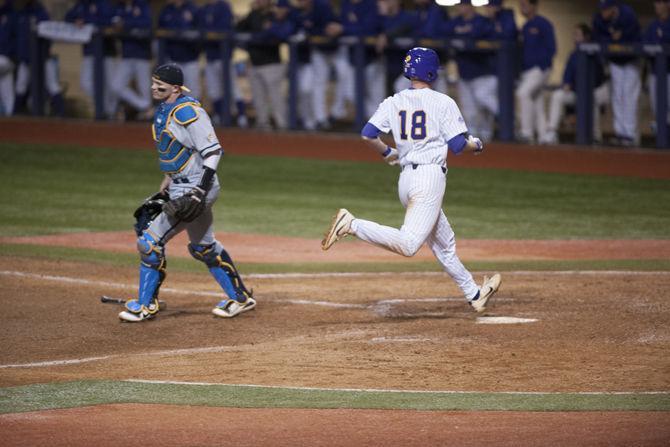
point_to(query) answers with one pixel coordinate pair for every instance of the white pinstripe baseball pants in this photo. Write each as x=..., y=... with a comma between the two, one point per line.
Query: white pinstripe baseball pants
x=421, y=191
x=478, y=99
x=626, y=86
x=530, y=95
x=6, y=86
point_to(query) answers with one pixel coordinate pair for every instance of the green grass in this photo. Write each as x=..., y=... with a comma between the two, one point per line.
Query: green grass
x=55, y=189
x=77, y=394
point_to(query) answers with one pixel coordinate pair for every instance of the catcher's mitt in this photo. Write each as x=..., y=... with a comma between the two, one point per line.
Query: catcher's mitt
x=150, y=208
x=188, y=207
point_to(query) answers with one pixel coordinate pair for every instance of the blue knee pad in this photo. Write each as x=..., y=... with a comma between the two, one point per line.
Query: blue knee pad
x=222, y=269
x=152, y=268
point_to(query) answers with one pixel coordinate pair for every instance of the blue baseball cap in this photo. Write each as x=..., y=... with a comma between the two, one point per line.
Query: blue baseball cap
x=495, y=2
x=604, y=4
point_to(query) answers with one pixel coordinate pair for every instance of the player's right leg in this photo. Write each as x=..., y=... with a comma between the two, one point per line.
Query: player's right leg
x=150, y=246
x=152, y=275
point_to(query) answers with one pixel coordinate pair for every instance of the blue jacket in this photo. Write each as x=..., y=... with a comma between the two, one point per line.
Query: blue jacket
x=31, y=12
x=94, y=12
x=402, y=24
x=657, y=33
x=134, y=15
x=570, y=72
x=215, y=17
x=430, y=22
x=7, y=31
x=471, y=65
x=313, y=22
x=626, y=23
x=360, y=18
x=181, y=18
x=539, y=43
x=505, y=26
x=267, y=32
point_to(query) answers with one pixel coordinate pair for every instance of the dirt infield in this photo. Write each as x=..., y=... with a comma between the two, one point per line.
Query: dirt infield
x=306, y=428
x=581, y=332
x=595, y=332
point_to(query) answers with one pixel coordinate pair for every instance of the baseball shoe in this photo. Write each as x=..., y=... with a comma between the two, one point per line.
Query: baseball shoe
x=229, y=308
x=339, y=228
x=135, y=312
x=486, y=291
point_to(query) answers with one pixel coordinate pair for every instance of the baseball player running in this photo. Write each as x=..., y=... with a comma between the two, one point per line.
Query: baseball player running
x=425, y=124
x=189, y=153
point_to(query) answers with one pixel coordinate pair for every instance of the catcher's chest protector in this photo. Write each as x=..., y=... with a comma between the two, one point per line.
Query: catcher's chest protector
x=173, y=156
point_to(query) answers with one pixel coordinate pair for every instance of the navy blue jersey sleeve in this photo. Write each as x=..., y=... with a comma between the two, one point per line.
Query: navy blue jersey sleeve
x=139, y=18
x=570, y=70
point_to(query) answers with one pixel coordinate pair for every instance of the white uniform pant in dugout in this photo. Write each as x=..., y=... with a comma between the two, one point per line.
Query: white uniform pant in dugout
x=530, y=94
x=6, y=86
x=479, y=104
x=421, y=190
x=561, y=98
x=626, y=87
x=138, y=70
x=87, y=81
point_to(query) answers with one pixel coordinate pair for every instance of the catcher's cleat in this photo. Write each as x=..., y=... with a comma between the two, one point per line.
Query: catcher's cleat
x=229, y=308
x=486, y=291
x=135, y=312
x=339, y=228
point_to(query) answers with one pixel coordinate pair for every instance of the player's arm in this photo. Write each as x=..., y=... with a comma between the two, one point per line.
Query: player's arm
x=464, y=142
x=370, y=135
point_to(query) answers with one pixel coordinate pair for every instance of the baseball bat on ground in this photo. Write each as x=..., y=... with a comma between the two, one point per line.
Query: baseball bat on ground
x=111, y=300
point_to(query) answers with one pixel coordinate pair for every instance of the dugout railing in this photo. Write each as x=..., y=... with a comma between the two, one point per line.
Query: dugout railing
x=507, y=68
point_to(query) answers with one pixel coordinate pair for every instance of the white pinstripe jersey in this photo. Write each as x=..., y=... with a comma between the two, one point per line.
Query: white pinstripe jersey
x=422, y=122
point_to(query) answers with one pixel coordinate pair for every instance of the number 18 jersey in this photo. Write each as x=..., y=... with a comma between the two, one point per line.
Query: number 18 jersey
x=422, y=121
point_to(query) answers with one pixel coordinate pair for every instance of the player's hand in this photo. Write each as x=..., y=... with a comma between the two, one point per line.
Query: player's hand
x=476, y=145
x=391, y=156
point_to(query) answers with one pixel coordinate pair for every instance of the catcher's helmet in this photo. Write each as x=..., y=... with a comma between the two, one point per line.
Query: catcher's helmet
x=422, y=64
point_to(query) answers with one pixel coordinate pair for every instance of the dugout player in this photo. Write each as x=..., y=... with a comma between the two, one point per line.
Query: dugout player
x=316, y=19
x=180, y=15
x=477, y=84
x=29, y=14
x=216, y=16
x=7, y=54
x=658, y=32
x=616, y=23
x=189, y=153
x=98, y=13
x=539, y=48
x=426, y=124
x=135, y=56
x=566, y=95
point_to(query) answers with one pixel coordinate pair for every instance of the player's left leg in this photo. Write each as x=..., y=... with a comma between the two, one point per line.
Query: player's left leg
x=205, y=248
x=421, y=191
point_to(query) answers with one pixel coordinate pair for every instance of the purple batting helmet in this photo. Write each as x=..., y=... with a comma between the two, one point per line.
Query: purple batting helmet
x=422, y=64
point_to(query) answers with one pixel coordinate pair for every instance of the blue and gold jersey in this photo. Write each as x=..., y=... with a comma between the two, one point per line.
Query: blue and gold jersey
x=184, y=136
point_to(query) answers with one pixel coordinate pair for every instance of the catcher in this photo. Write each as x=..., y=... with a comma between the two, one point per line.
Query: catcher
x=189, y=153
